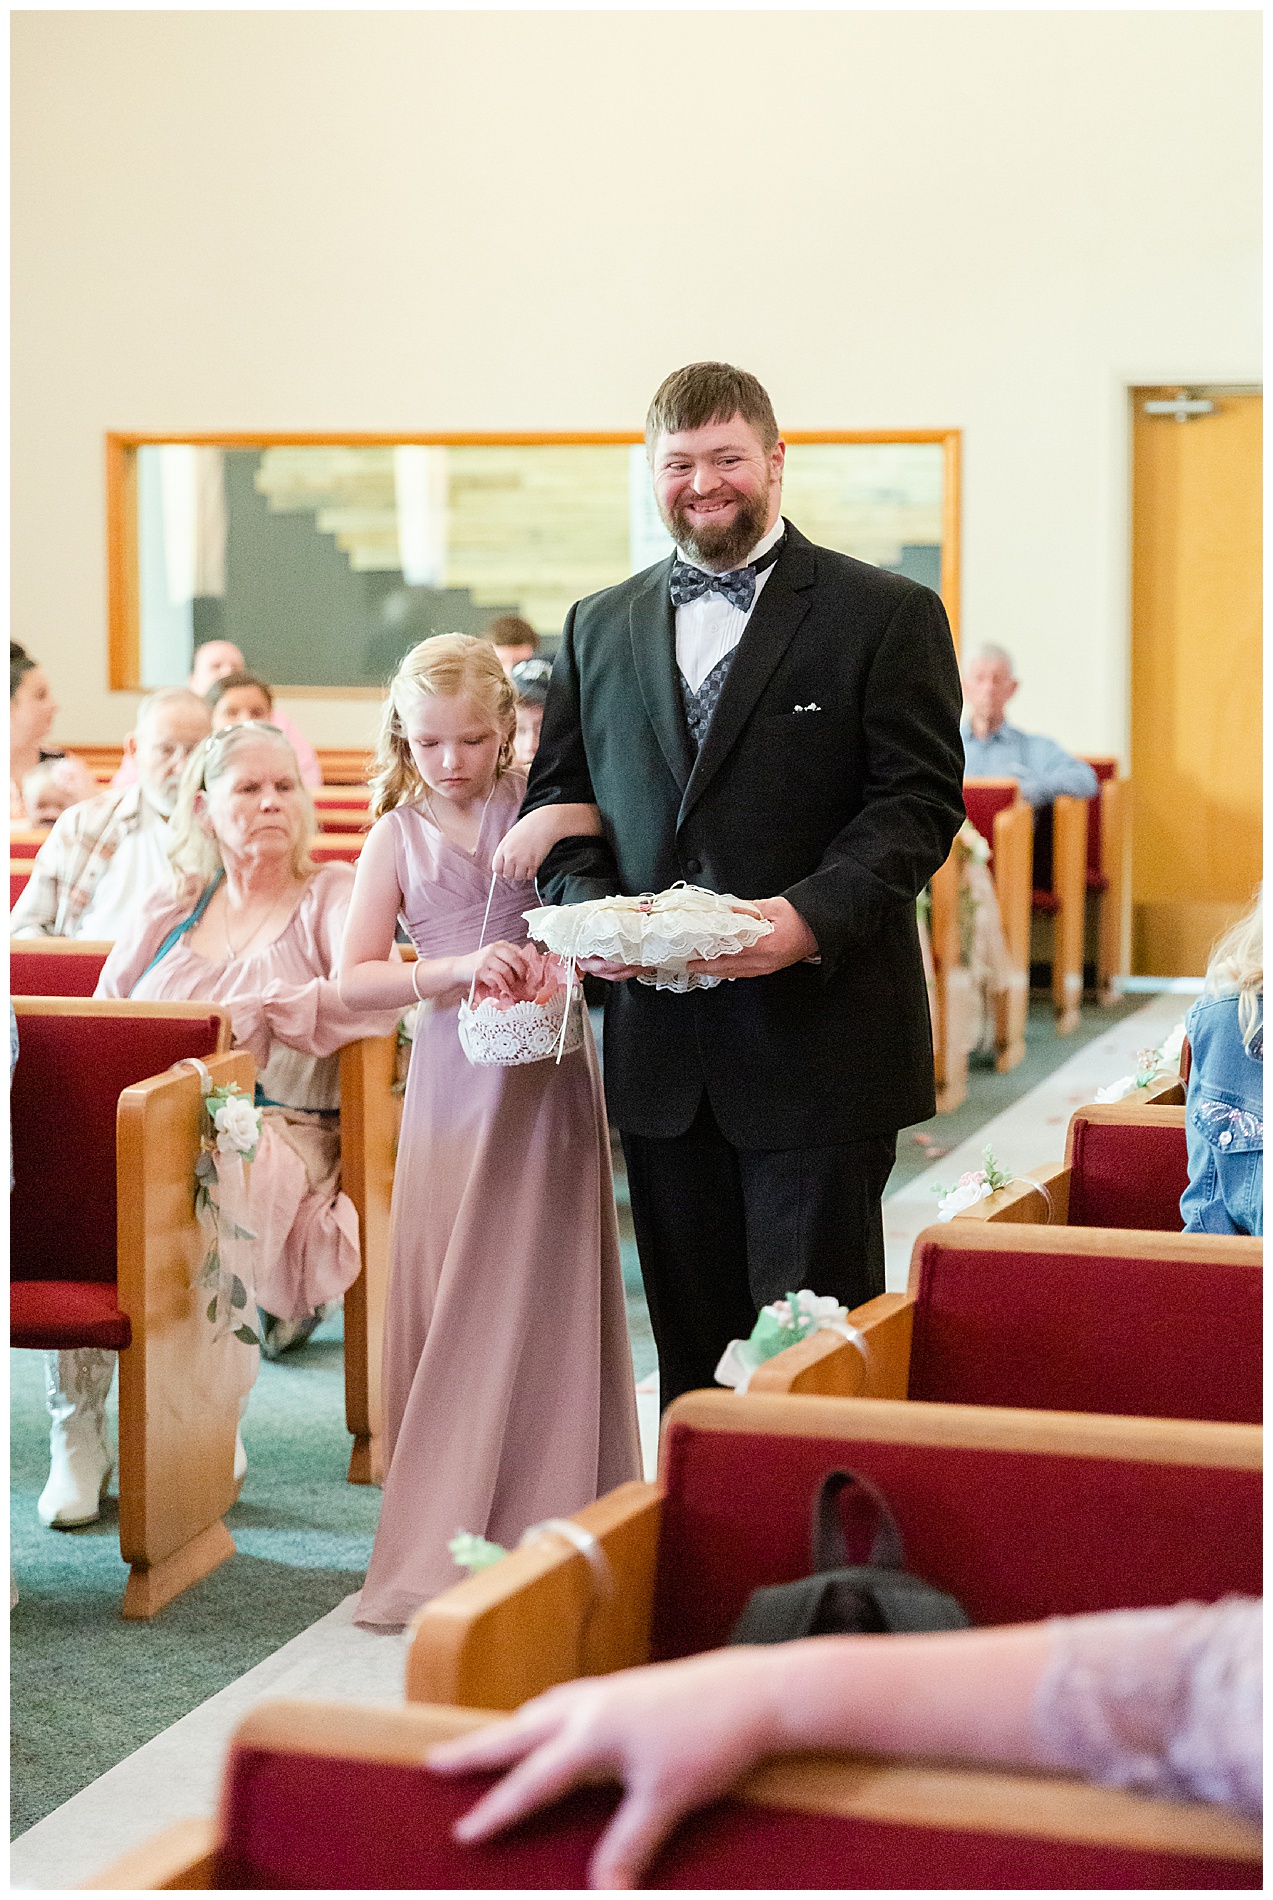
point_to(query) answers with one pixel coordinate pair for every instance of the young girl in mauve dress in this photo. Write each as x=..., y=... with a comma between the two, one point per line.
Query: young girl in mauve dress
x=508, y=1387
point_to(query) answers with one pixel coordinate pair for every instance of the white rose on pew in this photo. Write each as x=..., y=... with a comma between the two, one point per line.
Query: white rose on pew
x=1125, y=1085
x=1169, y=1054
x=967, y=1191
x=238, y=1126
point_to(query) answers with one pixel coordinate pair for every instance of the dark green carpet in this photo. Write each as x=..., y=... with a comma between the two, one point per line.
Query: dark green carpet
x=87, y=1688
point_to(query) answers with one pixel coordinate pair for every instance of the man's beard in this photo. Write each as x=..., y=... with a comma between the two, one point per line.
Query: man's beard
x=723, y=547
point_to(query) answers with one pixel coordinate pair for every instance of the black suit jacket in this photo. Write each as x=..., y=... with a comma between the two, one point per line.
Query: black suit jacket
x=831, y=775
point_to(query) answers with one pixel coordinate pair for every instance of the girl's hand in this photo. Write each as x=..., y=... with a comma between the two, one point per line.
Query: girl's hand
x=523, y=849
x=677, y=1735
x=497, y=969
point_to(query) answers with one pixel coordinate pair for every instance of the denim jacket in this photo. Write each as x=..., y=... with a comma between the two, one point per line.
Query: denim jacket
x=1224, y=1123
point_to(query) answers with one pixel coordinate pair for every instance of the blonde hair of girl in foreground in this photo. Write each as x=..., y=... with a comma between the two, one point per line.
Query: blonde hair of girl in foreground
x=446, y=738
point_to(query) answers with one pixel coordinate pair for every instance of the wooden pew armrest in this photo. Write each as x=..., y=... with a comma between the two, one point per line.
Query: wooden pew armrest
x=537, y=1618
x=182, y=1856
x=1041, y=1198
x=829, y=1366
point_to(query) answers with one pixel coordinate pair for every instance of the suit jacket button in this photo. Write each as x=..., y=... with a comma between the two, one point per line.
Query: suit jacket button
x=693, y=866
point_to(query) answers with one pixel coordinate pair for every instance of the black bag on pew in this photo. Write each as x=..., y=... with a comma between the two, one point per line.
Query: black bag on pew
x=840, y=1599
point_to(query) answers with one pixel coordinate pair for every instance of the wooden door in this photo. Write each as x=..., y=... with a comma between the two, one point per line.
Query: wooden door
x=1196, y=676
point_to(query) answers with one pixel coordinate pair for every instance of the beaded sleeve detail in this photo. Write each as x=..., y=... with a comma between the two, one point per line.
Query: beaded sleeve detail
x=1168, y=1702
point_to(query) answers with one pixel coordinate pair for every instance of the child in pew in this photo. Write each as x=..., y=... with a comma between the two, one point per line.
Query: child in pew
x=1167, y=1701
x=1224, y=1104
x=508, y=1386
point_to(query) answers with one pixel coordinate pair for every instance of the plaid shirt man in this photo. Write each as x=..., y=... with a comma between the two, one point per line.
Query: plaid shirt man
x=69, y=863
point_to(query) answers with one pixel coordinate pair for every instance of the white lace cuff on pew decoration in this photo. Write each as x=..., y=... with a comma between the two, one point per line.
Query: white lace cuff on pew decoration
x=659, y=934
x=781, y=1324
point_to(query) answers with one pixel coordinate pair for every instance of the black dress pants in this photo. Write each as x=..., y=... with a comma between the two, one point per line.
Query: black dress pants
x=722, y=1231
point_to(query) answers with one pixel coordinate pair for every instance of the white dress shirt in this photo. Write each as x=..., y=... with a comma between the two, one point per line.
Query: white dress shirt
x=711, y=626
x=140, y=863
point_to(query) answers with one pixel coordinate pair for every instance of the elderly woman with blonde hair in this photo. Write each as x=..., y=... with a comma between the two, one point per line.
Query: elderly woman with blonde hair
x=250, y=922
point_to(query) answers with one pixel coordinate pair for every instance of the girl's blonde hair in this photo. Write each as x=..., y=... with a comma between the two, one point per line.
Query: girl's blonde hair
x=449, y=666
x=196, y=852
x=1237, y=965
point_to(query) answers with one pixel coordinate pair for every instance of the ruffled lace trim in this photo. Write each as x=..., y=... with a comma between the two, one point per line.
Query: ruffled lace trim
x=660, y=933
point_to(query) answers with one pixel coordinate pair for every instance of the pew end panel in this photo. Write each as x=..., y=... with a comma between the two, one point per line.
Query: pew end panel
x=182, y=1858
x=179, y=1390
x=321, y=1796
x=1069, y=888
x=1013, y=867
x=539, y=1617
x=369, y=1119
x=954, y=1001
x=1113, y=957
x=833, y=1367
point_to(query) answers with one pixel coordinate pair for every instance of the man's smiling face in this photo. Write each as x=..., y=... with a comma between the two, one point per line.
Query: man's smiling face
x=718, y=490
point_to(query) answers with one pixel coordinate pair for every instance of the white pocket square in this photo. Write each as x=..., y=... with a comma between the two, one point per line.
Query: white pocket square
x=813, y=706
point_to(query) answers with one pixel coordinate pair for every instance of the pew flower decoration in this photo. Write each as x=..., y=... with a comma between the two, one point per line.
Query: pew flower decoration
x=473, y=1553
x=231, y=1134
x=1149, y=1063
x=781, y=1324
x=977, y=1185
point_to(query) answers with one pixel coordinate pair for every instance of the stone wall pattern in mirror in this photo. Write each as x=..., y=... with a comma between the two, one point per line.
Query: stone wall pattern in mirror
x=324, y=561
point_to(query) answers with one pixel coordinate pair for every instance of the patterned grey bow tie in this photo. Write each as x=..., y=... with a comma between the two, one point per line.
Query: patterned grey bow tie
x=738, y=586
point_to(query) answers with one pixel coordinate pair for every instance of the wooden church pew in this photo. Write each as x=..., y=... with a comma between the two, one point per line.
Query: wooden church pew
x=1109, y=873
x=319, y=1796
x=1149, y=1325
x=104, y=1246
x=55, y=966
x=370, y=1113
x=1064, y=901
x=1126, y=1165
x=953, y=1001
x=1019, y=1514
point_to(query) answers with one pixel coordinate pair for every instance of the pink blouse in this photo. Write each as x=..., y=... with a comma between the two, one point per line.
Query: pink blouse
x=282, y=998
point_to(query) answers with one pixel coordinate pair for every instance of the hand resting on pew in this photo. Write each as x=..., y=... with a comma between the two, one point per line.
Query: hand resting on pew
x=1167, y=1701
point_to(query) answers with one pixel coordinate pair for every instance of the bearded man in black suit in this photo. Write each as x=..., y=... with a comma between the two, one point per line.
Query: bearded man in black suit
x=767, y=718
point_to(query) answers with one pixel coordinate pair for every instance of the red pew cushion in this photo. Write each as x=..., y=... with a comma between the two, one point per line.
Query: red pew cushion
x=294, y=1821
x=1123, y=1175
x=66, y=1088
x=983, y=803
x=1013, y=1535
x=36, y=972
x=333, y=849
x=18, y=881
x=57, y=1314
x=1056, y=1332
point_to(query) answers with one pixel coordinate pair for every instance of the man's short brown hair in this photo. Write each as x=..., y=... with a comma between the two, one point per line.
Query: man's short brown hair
x=700, y=393
x=510, y=630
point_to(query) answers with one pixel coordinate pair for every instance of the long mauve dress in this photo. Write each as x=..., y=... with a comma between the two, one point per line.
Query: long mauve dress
x=508, y=1387
x=284, y=1008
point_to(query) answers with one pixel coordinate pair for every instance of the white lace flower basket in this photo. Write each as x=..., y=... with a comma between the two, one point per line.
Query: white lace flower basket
x=658, y=934
x=495, y=1038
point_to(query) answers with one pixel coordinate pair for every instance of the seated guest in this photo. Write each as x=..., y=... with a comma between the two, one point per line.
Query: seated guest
x=239, y=698
x=252, y=923
x=212, y=661
x=105, y=855
x=531, y=678
x=53, y=786
x=1224, y=1105
x=513, y=638
x=32, y=710
x=1166, y=1701
x=993, y=749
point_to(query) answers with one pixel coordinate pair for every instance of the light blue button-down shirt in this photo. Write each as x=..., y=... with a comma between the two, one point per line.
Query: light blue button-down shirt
x=1043, y=769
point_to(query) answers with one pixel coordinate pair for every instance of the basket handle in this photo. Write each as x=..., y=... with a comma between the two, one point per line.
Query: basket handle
x=481, y=936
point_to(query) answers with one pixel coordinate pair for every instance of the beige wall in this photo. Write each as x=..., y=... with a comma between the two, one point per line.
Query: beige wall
x=995, y=221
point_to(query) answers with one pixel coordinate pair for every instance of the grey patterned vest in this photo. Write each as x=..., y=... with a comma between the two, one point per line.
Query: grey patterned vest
x=700, y=705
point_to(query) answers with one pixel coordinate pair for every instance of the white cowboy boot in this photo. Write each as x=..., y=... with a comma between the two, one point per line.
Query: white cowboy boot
x=76, y=1387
